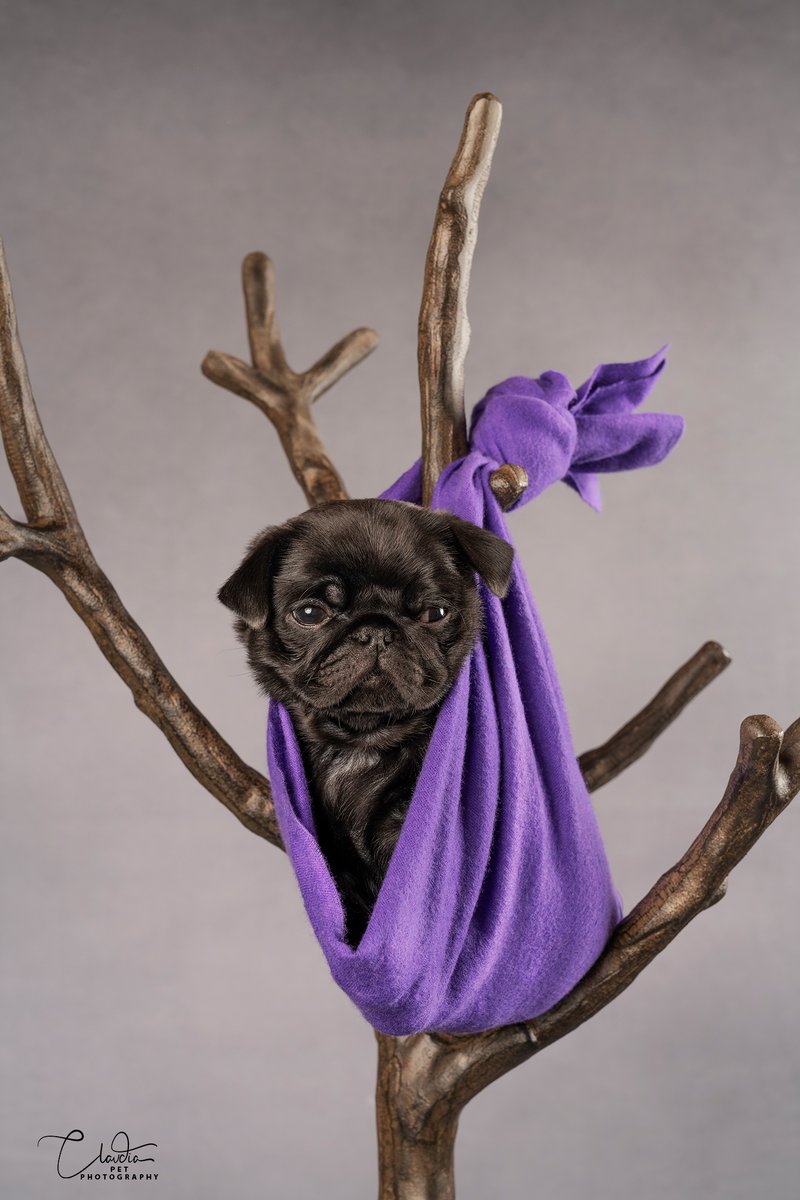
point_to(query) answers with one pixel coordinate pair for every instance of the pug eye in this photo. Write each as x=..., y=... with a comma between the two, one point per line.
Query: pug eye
x=434, y=614
x=310, y=614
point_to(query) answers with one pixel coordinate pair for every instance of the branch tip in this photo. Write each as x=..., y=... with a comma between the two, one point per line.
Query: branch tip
x=628, y=744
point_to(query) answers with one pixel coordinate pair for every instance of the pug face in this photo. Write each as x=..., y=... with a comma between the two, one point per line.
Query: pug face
x=360, y=612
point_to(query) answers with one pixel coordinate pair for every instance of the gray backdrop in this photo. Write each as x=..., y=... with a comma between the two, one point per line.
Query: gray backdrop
x=159, y=974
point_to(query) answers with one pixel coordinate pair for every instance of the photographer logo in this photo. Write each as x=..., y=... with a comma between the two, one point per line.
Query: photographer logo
x=120, y=1160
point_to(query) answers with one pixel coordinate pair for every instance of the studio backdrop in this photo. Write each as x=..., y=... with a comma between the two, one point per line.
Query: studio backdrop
x=159, y=972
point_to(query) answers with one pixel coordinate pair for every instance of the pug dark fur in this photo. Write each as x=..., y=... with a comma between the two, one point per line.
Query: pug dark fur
x=357, y=616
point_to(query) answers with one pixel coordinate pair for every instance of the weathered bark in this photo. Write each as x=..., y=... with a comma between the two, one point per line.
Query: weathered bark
x=284, y=396
x=629, y=743
x=53, y=542
x=443, y=329
x=425, y=1080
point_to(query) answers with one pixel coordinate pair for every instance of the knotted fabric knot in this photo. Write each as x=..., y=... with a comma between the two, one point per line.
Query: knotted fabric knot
x=556, y=432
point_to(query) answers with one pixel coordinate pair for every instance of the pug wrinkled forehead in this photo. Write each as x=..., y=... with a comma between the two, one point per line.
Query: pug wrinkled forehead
x=367, y=607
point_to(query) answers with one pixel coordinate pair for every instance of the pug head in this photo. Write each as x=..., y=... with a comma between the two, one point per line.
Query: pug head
x=362, y=611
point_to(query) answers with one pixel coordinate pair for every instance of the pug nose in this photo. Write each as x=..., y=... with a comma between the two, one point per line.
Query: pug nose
x=374, y=635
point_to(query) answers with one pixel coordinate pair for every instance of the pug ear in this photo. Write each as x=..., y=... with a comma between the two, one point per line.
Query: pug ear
x=247, y=590
x=486, y=553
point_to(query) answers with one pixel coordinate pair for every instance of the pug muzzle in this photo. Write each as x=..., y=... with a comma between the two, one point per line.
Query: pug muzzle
x=357, y=616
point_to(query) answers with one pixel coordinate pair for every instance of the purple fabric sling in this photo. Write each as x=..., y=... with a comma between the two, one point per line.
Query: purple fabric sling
x=498, y=896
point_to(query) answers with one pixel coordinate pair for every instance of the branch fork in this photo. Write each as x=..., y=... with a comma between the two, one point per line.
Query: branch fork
x=425, y=1080
x=53, y=541
x=284, y=396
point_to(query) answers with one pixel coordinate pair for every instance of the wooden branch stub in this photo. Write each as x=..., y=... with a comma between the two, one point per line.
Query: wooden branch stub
x=443, y=334
x=258, y=284
x=508, y=483
x=284, y=396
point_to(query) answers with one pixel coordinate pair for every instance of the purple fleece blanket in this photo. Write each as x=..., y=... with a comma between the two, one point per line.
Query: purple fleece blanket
x=498, y=896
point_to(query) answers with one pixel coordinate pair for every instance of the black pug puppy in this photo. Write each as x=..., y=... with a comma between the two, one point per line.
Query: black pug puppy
x=357, y=616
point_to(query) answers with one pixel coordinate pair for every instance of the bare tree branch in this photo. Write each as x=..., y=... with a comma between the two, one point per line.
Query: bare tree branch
x=629, y=743
x=53, y=542
x=284, y=396
x=39, y=481
x=765, y=779
x=444, y=330
x=425, y=1080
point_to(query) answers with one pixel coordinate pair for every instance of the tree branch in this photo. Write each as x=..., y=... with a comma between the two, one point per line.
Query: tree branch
x=284, y=396
x=426, y=1079
x=53, y=542
x=444, y=330
x=765, y=779
x=629, y=743
x=42, y=490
